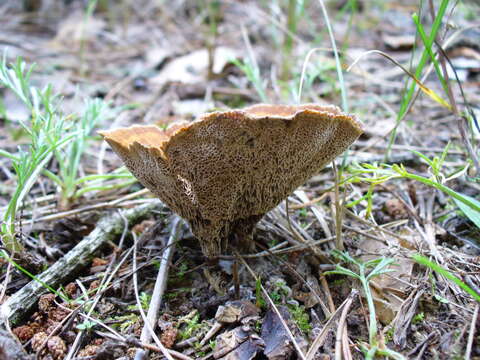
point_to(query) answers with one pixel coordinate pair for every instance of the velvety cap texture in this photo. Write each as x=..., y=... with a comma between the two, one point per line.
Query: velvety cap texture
x=223, y=172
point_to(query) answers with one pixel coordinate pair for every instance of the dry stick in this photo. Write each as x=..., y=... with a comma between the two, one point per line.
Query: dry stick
x=347, y=354
x=340, y=329
x=338, y=211
x=140, y=308
x=318, y=342
x=326, y=290
x=429, y=226
x=104, y=205
x=108, y=228
x=471, y=334
x=307, y=203
x=5, y=283
x=159, y=288
x=428, y=233
x=274, y=307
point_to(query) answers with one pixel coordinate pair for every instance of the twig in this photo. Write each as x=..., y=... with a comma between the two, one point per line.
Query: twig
x=341, y=328
x=338, y=211
x=104, y=205
x=155, y=338
x=327, y=292
x=159, y=288
x=471, y=334
x=377, y=227
x=299, y=237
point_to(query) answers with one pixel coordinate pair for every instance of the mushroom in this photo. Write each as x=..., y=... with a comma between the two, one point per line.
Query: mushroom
x=225, y=171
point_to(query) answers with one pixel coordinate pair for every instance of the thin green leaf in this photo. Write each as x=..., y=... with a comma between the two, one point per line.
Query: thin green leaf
x=469, y=212
x=437, y=268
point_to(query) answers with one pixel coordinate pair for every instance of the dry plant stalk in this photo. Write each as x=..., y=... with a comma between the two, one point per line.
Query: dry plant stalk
x=223, y=172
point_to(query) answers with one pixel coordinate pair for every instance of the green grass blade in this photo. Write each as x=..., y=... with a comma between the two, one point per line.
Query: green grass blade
x=419, y=68
x=430, y=53
x=472, y=214
x=437, y=268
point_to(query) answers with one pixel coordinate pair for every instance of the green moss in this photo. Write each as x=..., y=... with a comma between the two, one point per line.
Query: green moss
x=301, y=318
x=192, y=325
x=418, y=318
x=389, y=334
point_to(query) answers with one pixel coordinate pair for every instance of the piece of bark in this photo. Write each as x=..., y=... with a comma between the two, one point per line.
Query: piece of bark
x=108, y=228
x=239, y=343
x=235, y=311
x=277, y=342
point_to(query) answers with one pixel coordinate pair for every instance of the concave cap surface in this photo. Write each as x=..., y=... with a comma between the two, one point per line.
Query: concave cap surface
x=224, y=171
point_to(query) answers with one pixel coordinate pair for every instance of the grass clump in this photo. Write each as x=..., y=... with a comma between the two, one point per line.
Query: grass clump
x=51, y=135
x=47, y=131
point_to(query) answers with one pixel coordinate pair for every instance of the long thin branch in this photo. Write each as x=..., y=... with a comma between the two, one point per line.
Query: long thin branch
x=159, y=288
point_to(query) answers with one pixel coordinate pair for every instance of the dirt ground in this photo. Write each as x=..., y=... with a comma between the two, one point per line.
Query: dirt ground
x=375, y=257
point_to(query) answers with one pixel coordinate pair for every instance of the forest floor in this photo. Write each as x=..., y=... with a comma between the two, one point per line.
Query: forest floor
x=85, y=251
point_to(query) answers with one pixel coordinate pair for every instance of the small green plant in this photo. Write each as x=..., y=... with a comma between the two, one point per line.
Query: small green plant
x=276, y=297
x=212, y=344
x=252, y=72
x=280, y=291
x=70, y=184
x=51, y=135
x=86, y=325
x=126, y=322
x=301, y=318
x=260, y=301
x=144, y=302
x=177, y=292
x=418, y=318
x=376, y=174
x=47, y=132
x=303, y=213
x=182, y=270
x=69, y=160
x=389, y=334
x=366, y=272
x=192, y=325
x=199, y=353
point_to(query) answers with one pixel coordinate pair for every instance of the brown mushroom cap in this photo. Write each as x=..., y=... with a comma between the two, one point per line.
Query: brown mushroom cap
x=224, y=171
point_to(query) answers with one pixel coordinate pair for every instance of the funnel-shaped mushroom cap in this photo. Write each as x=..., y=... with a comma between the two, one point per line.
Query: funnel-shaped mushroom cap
x=224, y=171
